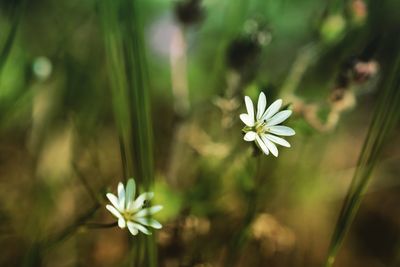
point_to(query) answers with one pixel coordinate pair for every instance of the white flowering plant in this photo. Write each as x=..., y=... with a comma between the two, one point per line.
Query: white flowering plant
x=263, y=127
x=131, y=212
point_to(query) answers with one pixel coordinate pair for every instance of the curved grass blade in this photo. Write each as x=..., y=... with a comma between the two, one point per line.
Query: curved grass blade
x=15, y=18
x=385, y=117
x=124, y=43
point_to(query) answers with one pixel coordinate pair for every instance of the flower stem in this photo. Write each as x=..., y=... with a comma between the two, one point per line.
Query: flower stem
x=305, y=57
x=178, y=63
x=100, y=225
x=85, y=184
x=240, y=239
x=71, y=229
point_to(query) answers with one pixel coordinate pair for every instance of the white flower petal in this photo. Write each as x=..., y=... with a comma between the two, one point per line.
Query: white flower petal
x=250, y=136
x=142, y=229
x=262, y=103
x=271, y=146
x=114, y=200
x=262, y=145
x=114, y=211
x=132, y=228
x=149, y=222
x=271, y=110
x=121, y=196
x=249, y=106
x=246, y=119
x=130, y=192
x=121, y=223
x=281, y=130
x=279, y=117
x=278, y=140
x=148, y=211
x=141, y=199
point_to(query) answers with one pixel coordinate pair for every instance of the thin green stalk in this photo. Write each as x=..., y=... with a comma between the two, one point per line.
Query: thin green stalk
x=304, y=59
x=385, y=116
x=119, y=87
x=71, y=229
x=124, y=43
x=85, y=184
x=100, y=225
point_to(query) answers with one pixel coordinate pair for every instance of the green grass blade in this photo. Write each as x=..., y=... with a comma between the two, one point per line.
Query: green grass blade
x=16, y=18
x=385, y=117
x=125, y=50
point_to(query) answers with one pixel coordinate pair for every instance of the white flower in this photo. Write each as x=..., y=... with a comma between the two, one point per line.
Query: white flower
x=130, y=212
x=263, y=126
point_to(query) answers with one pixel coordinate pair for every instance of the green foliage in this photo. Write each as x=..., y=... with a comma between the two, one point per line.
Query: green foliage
x=88, y=97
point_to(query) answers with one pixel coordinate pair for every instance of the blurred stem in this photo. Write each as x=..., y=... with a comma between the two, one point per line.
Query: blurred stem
x=178, y=61
x=231, y=22
x=303, y=60
x=85, y=184
x=240, y=239
x=385, y=117
x=73, y=228
x=100, y=225
x=253, y=195
x=34, y=256
x=109, y=12
x=125, y=51
x=237, y=13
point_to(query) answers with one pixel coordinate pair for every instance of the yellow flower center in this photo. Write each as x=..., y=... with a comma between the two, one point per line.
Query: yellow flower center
x=259, y=127
x=128, y=215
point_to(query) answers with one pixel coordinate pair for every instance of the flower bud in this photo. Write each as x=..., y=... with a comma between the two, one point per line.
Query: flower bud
x=359, y=11
x=332, y=28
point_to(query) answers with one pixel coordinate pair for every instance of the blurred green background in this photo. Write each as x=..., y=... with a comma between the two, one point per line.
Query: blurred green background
x=328, y=60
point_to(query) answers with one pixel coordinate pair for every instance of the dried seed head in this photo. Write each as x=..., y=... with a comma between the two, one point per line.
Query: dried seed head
x=355, y=71
x=359, y=11
x=242, y=52
x=363, y=71
x=189, y=12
